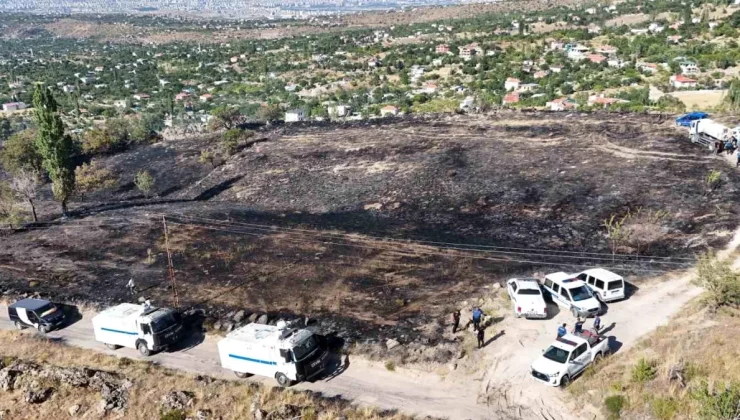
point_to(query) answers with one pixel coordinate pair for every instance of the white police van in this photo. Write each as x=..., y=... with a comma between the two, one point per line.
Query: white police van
x=572, y=294
x=607, y=286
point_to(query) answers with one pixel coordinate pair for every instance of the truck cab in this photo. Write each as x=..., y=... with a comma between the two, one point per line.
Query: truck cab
x=146, y=329
x=288, y=355
x=568, y=357
x=36, y=313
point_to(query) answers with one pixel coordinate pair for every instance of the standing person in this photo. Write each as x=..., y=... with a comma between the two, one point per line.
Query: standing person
x=562, y=330
x=477, y=316
x=131, y=287
x=597, y=323
x=481, y=337
x=455, y=320
x=738, y=160
x=578, y=327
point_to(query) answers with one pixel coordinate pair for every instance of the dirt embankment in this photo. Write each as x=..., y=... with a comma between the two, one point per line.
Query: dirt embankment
x=315, y=221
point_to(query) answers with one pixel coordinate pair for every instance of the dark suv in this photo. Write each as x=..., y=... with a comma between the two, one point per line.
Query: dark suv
x=37, y=313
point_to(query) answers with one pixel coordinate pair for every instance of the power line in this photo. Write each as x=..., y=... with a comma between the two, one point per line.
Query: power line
x=462, y=247
x=409, y=254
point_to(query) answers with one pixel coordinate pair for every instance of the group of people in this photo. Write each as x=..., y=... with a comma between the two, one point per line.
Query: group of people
x=477, y=317
x=578, y=328
x=728, y=146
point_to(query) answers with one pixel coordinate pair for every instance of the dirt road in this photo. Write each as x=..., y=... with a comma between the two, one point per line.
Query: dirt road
x=363, y=383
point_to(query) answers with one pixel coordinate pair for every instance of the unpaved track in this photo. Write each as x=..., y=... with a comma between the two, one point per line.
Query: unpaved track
x=362, y=383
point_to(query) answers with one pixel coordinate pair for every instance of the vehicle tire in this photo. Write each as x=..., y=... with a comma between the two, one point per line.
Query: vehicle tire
x=282, y=380
x=565, y=381
x=113, y=346
x=598, y=358
x=143, y=349
x=43, y=329
x=242, y=375
x=19, y=326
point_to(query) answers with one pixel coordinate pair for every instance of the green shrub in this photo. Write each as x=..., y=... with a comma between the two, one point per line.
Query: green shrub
x=722, y=402
x=643, y=371
x=664, y=408
x=174, y=415
x=390, y=365
x=720, y=282
x=614, y=405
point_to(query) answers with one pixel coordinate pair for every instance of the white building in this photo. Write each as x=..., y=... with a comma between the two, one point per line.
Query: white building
x=679, y=81
x=295, y=115
x=689, y=68
x=13, y=106
x=512, y=84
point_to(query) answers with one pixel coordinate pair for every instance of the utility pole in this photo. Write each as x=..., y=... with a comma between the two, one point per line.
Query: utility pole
x=170, y=268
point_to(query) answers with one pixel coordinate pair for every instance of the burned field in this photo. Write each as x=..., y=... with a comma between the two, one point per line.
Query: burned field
x=378, y=230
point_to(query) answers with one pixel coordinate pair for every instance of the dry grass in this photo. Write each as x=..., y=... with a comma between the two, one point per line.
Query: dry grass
x=700, y=99
x=226, y=399
x=706, y=348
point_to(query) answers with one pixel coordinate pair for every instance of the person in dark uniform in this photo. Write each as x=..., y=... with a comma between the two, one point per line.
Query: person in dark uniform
x=481, y=337
x=455, y=320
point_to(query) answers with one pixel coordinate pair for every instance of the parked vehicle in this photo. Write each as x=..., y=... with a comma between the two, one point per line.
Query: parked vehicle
x=136, y=326
x=572, y=294
x=36, y=313
x=607, y=286
x=685, y=120
x=526, y=298
x=706, y=132
x=288, y=355
x=568, y=356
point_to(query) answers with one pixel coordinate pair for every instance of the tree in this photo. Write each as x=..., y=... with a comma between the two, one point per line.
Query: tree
x=57, y=149
x=100, y=141
x=732, y=97
x=207, y=157
x=9, y=212
x=91, y=177
x=5, y=128
x=144, y=182
x=26, y=185
x=20, y=153
x=224, y=117
x=269, y=113
x=230, y=141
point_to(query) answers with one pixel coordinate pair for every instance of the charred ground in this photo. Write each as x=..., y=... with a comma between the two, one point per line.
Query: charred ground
x=312, y=221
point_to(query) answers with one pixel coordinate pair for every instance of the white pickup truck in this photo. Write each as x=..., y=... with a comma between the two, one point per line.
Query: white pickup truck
x=568, y=356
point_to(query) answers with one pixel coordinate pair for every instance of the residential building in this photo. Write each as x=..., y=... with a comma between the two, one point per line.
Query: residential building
x=206, y=97
x=512, y=84
x=339, y=110
x=561, y=104
x=680, y=81
x=467, y=103
x=689, y=68
x=13, y=106
x=556, y=69
x=540, y=74
x=656, y=28
x=528, y=87
x=141, y=96
x=442, y=49
x=511, y=98
x=674, y=38
x=647, y=67
x=182, y=96
x=295, y=115
x=470, y=50
x=596, y=58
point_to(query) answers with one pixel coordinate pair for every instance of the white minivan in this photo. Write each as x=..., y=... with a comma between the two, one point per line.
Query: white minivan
x=607, y=286
x=572, y=294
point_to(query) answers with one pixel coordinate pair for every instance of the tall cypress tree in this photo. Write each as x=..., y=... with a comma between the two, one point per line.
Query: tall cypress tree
x=57, y=149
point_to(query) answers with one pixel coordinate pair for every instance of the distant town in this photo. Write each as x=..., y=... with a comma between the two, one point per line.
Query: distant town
x=271, y=9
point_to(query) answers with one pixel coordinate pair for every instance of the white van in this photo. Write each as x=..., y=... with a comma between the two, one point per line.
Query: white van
x=607, y=286
x=572, y=294
x=288, y=355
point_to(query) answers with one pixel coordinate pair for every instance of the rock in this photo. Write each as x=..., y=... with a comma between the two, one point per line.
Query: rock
x=253, y=317
x=73, y=410
x=286, y=411
x=37, y=397
x=227, y=326
x=142, y=299
x=239, y=316
x=259, y=414
x=496, y=286
x=217, y=325
x=203, y=380
x=177, y=400
x=391, y=343
x=203, y=414
x=262, y=319
x=452, y=367
x=8, y=378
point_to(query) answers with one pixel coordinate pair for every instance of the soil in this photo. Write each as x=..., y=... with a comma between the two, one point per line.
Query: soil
x=326, y=221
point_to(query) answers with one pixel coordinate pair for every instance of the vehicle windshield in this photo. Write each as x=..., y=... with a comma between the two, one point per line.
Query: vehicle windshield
x=305, y=348
x=613, y=285
x=528, y=292
x=163, y=322
x=580, y=293
x=556, y=355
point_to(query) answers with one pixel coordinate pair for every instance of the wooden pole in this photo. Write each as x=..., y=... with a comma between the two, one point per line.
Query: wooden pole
x=170, y=267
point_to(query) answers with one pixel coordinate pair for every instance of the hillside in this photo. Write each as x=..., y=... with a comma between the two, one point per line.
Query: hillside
x=309, y=221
